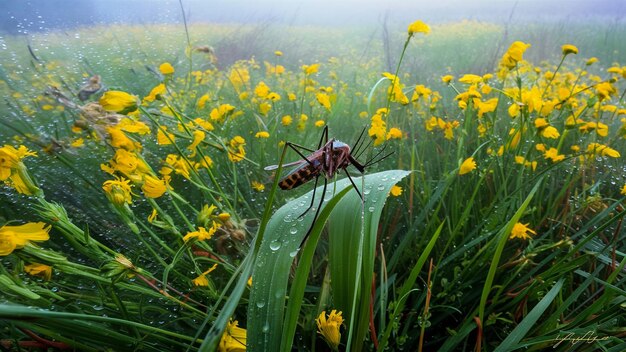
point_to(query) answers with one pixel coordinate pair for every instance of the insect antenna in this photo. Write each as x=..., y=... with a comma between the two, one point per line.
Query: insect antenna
x=356, y=156
x=373, y=160
x=356, y=146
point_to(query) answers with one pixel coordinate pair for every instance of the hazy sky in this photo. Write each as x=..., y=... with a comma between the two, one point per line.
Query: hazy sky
x=34, y=15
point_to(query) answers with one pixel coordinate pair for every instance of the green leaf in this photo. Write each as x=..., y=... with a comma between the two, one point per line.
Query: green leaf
x=530, y=320
x=279, y=247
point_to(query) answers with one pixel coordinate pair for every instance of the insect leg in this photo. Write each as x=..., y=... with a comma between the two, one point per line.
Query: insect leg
x=323, y=138
x=354, y=185
x=293, y=146
x=312, y=198
x=317, y=211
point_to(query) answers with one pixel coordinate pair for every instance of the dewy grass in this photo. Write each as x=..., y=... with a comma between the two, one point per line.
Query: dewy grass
x=163, y=231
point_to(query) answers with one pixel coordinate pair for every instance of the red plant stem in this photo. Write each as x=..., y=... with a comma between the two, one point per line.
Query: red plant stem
x=426, y=305
x=372, y=326
x=479, y=337
x=45, y=342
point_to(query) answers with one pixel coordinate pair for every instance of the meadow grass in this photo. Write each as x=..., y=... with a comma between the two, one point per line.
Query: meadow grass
x=505, y=232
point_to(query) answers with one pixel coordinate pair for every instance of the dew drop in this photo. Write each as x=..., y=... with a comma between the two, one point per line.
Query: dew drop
x=294, y=253
x=266, y=328
x=260, y=304
x=275, y=245
x=371, y=209
x=380, y=187
x=293, y=230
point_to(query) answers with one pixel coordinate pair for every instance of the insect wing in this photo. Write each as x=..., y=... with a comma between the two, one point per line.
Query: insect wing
x=274, y=167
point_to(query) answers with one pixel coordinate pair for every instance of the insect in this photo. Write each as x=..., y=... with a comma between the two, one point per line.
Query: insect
x=330, y=157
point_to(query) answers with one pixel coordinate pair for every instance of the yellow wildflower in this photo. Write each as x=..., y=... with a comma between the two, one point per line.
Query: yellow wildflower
x=447, y=79
x=396, y=191
x=278, y=53
x=262, y=134
x=15, y=237
x=569, y=49
x=118, y=191
x=37, y=269
x=553, y=154
x=521, y=231
x=329, y=328
x=202, y=101
x=221, y=112
x=236, y=152
x=133, y=126
x=155, y=93
x=623, y=191
x=202, y=279
x=77, y=143
x=310, y=69
x=418, y=27
x=198, y=137
x=202, y=234
x=233, y=339
x=320, y=123
x=467, y=166
x=118, y=101
x=394, y=133
x=514, y=54
x=166, y=68
x=286, y=120
x=13, y=171
x=602, y=150
x=261, y=90
x=378, y=129
x=273, y=96
x=153, y=187
x=324, y=100
x=258, y=186
x=591, y=61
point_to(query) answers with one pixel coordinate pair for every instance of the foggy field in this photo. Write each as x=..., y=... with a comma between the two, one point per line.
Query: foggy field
x=309, y=176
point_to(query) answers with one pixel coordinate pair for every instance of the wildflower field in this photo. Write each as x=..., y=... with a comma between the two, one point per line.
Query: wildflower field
x=141, y=207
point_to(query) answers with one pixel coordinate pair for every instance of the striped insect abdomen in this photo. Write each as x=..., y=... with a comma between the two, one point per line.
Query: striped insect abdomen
x=299, y=176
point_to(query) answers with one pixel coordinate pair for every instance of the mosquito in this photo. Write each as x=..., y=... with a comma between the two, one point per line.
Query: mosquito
x=330, y=157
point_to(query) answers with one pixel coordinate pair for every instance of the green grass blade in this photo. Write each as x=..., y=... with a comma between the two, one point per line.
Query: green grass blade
x=504, y=235
x=351, y=292
x=530, y=320
x=408, y=285
x=276, y=253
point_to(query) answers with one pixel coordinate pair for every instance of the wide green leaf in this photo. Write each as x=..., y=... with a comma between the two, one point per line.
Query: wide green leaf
x=279, y=247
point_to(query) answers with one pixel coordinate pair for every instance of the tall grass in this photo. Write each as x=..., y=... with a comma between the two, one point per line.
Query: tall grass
x=433, y=266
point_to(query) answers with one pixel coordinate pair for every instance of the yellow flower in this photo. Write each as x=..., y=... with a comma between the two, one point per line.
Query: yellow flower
x=233, y=339
x=118, y=101
x=152, y=216
x=262, y=134
x=591, y=61
x=198, y=137
x=291, y=96
x=467, y=166
x=153, y=187
x=324, y=100
x=166, y=68
x=77, y=143
x=623, y=191
x=514, y=54
x=37, y=269
x=278, y=53
x=202, y=280
x=15, y=237
x=155, y=93
x=258, y=186
x=396, y=191
x=602, y=150
x=378, y=129
x=521, y=231
x=553, y=154
x=320, y=123
x=418, y=27
x=118, y=191
x=202, y=234
x=329, y=328
x=221, y=112
x=394, y=133
x=164, y=137
x=286, y=120
x=310, y=69
x=236, y=152
x=14, y=172
x=447, y=79
x=569, y=49
x=261, y=90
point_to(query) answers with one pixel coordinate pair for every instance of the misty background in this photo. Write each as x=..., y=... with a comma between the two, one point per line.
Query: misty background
x=20, y=16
